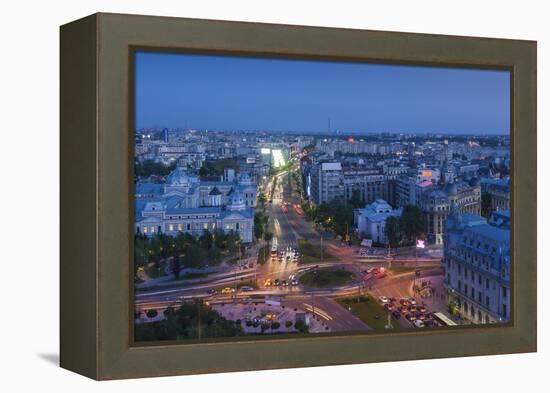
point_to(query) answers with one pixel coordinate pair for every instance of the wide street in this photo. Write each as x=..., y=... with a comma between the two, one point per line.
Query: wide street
x=274, y=279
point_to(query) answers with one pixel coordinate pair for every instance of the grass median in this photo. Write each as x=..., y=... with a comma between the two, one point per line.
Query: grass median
x=312, y=254
x=326, y=278
x=368, y=310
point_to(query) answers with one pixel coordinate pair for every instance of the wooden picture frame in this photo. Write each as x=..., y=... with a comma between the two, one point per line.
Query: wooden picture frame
x=97, y=194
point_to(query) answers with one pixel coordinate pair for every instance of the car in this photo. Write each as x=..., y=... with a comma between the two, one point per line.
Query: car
x=412, y=308
x=393, y=300
x=246, y=289
x=228, y=290
x=430, y=323
x=410, y=317
x=384, y=299
x=211, y=291
x=294, y=282
x=388, y=307
x=418, y=323
x=404, y=302
x=396, y=314
x=412, y=301
x=285, y=283
x=276, y=282
x=267, y=282
x=404, y=310
x=422, y=309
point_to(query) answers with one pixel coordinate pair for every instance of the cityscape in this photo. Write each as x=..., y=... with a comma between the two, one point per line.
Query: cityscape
x=326, y=229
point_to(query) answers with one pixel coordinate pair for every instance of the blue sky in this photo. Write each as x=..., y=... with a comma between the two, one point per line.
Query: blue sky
x=223, y=92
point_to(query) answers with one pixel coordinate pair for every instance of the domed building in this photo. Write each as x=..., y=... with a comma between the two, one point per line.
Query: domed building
x=436, y=205
x=186, y=204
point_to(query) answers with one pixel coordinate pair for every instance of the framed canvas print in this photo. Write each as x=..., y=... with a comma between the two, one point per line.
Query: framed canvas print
x=240, y=196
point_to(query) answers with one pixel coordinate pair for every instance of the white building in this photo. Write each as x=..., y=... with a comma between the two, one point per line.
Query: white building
x=371, y=220
x=184, y=204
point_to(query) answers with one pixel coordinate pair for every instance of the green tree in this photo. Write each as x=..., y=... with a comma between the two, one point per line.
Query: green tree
x=175, y=266
x=148, y=168
x=268, y=236
x=262, y=199
x=151, y=314
x=193, y=257
x=206, y=240
x=214, y=255
x=356, y=200
x=412, y=222
x=392, y=231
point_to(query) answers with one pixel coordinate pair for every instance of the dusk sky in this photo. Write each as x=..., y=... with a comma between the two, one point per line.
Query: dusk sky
x=245, y=93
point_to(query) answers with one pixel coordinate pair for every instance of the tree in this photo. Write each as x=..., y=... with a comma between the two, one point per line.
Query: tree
x=148, y=168
x=214, y=255
x=206, y=240
x=151, y=314
x=356, y=200
x=392, y=231
x=268, y=236
x=262, y=198
x=486, y=202
x=193, y=256
x=175, y=266
x=412, y=222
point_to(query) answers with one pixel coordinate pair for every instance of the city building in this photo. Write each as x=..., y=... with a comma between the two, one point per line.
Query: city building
x=499, y=191
x=477, y=266
x=327, y=182
x=370, y=184
x=436, y=205
x=371, y=220
x=186, y=204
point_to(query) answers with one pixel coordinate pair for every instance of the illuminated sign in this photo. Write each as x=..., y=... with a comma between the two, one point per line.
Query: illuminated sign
x=265, y=150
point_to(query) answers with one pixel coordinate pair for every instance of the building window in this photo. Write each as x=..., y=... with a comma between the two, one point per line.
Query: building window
x=152, y=229
x=180, y=227
x=503, y=291
x=487, y=283
x=504, y=310
x=487, y=301
x=171, y=227
x=144, y=229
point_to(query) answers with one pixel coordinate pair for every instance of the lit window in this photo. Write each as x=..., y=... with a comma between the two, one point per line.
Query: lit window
x=152, y=230
x=171, y=227
x=180, y=227
x=205, y=225
x=144, y=229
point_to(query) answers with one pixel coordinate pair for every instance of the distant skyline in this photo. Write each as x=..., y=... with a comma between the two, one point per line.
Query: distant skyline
x=247, y=93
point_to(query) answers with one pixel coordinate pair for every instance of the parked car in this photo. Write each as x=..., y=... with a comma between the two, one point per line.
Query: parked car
x=396, y=314
x=418, y=323
x=384, y=299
